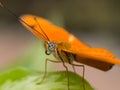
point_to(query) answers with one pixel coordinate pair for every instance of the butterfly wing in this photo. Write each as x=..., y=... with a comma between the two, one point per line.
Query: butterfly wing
x=54, y=33
x=96, y=57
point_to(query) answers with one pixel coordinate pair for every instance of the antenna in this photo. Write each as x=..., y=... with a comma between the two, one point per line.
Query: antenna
x=10, y=11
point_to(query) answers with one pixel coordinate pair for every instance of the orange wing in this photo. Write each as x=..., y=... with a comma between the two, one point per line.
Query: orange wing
x=54, y=33
x=96, y=57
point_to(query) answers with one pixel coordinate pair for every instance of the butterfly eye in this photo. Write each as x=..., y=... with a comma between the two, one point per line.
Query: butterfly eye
x=50, y=48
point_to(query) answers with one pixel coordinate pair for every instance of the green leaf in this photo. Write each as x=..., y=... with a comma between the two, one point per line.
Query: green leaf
x=22, y=79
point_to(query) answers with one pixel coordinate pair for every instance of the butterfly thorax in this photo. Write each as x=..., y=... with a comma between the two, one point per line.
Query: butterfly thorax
x=58, y=50
x=65, y=56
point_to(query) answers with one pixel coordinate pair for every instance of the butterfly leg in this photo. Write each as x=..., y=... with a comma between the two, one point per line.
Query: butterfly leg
x=83, y=74
x=74, y=68
x=67, y=74
x=46, y=61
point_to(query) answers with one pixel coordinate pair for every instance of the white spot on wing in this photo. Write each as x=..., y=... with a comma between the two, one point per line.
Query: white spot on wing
x=71, y=38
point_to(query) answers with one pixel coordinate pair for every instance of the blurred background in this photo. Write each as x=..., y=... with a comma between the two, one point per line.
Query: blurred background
x=95, y=22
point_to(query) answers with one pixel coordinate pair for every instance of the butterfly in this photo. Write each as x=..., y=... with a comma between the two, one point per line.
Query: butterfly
x=66, y=47
x=99, y=58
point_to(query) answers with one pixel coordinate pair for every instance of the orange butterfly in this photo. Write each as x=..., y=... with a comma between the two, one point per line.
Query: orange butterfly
x=65, y=42
x=65, y=46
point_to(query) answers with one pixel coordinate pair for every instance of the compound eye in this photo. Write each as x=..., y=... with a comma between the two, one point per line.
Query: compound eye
x=51, y=46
